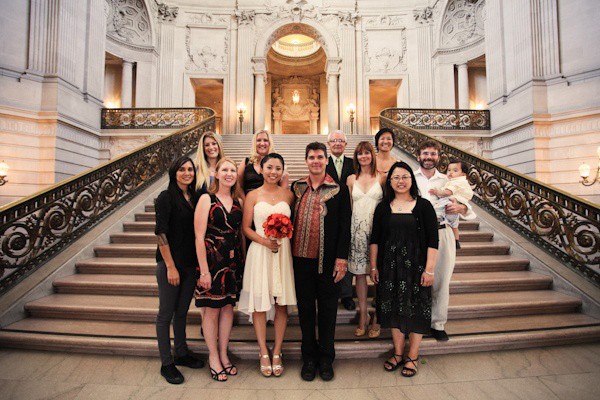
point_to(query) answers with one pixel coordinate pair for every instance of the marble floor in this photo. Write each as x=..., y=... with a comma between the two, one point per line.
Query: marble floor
x=565, y=372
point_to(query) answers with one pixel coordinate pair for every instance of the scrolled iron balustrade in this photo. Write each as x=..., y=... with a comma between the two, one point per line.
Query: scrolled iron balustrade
x=565, y=226
x=151, y=118
x=36, y=228
x=443, y=119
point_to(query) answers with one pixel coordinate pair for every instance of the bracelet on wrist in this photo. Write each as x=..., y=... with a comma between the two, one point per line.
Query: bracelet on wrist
x=429, y=273
x=373, y=269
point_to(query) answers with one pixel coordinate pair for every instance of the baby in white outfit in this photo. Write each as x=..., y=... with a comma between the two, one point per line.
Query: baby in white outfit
x=457, y=188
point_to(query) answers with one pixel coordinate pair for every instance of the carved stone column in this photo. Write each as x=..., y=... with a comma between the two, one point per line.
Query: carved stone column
x=463, y=87
x=333, y=73
x=314, y=119
x=259, y=67
x=127, y=84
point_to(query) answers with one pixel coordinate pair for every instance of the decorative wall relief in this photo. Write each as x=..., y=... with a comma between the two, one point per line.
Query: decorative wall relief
x=207, y=50
x=388, y=55
x=347, y=18
x=296, y=105
x=384, y=20
x=208, y=19
x=245, y=17
x=128, y=21
x=294, y=9
x=463, y=23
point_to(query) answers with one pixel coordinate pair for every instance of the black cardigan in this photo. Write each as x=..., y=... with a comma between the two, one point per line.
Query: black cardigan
x=427, y=226
x=175, y=218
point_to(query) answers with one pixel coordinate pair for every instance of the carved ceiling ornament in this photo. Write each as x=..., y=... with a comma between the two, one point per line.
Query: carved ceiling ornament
x=463, y=23
x=384, y=58
x=295, y=9
x=128, y=21
x=205, y=58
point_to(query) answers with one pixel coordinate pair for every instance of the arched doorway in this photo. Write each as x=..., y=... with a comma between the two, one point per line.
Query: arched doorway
x=296, y=70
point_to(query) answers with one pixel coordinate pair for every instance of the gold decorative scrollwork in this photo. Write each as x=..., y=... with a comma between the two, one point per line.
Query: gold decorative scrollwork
x=417, y=118
x=565, y=226
x=152, y=118
x=38, y=227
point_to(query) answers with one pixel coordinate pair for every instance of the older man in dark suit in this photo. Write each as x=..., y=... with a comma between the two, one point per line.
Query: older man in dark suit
x=340, y=167
x=321, y=244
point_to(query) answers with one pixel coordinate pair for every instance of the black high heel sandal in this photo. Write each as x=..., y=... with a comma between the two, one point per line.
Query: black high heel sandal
x=389, y=367
x=408, y=372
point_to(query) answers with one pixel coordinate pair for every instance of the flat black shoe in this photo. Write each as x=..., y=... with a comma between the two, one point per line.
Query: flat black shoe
x=348, y=303
x=171, y=374
x=190, y=361
x=309, y=371
x=457, y=245
x=440, y=336
x=326, y=371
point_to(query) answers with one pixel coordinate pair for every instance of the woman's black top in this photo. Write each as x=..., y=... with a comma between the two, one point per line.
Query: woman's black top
x=252, y=179
x=175, y=218
x=427, y=226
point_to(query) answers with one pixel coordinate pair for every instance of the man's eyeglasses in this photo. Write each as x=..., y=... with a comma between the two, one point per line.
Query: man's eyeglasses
x=397, y=178
x=337, y=141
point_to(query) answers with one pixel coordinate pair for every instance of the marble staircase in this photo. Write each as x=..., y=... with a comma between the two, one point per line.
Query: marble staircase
x=110, y=304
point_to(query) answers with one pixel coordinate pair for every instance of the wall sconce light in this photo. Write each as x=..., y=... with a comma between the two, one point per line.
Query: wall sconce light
x=241, y=109
x=296, y=97
x=3, y=173
x=351, y=109
x=585, y=169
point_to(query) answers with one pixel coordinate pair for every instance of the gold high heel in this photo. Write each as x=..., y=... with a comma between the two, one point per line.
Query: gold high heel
x=266, y=370
x=277, y=368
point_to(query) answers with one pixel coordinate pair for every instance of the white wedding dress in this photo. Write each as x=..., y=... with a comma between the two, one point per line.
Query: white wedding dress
x=268, y=276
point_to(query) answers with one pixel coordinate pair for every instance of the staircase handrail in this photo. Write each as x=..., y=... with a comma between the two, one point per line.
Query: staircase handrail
x=37, y=227
x=151, y=118
x=440, y=118
x=566, y=226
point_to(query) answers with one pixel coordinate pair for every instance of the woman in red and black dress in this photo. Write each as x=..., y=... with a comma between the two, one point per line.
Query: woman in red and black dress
x=219, y=246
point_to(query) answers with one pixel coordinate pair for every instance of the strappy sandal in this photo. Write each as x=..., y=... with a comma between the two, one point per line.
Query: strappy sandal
x=389, y=367
x=266, y=370
x=408, y=372
x=228, y=369
x=277, y=368
x=215, y=375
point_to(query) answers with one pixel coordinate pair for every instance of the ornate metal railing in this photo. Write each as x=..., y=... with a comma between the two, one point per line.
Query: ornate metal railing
x=152, y=118
x=420, y=118
x=567, y=227
x=36, y=228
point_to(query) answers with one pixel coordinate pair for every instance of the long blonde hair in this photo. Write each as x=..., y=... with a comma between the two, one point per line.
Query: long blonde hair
x=203, y=172
x=254, y=157
x=214, y=186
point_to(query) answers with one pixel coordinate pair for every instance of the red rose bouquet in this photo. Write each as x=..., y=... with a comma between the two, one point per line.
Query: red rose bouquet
x=278, y=226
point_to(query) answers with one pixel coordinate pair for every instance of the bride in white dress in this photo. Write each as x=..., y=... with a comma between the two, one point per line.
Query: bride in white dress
x=268, y=286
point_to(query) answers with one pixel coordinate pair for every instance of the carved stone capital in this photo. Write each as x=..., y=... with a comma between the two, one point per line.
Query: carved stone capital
x=245, y=17
x=259, y=66
x=347, y=18
x=423, y=15
x=166, y=13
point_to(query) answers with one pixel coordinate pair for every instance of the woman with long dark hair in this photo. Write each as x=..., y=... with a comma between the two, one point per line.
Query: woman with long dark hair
x=404, y=244
x=176, y=264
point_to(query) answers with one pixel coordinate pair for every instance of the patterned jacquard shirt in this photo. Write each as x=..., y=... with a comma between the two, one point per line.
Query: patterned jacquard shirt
x=310, y=210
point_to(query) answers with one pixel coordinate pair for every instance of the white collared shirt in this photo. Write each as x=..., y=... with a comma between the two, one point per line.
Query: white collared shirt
x=437, y=181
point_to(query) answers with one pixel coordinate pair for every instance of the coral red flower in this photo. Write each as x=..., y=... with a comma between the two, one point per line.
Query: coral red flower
x=278, y=226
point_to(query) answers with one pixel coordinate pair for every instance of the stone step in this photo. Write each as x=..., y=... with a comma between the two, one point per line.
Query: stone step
x=148, y=250
x=344, y=349
x=144, y=308
x=149, y=237
x=147, y=330
x=147, y=266
x=151, y=217
x=145, y=285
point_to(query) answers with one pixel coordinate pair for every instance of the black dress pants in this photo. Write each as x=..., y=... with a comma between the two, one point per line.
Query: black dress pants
x=316, y=291
x=174, y=303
